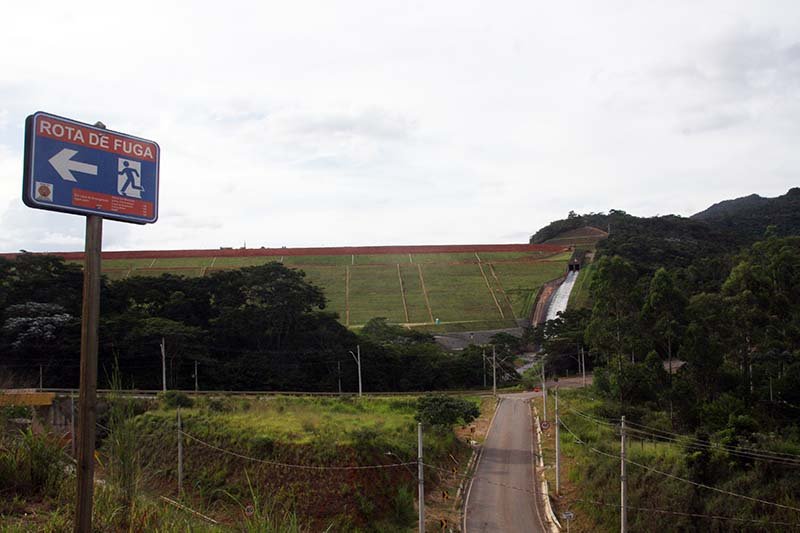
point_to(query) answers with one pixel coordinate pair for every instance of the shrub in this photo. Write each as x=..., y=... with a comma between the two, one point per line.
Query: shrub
x=173, y=398
x=441, y=410
x=218, y=405
x=403, y=507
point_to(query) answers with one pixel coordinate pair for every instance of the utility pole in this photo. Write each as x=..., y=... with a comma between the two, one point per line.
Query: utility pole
x=583, y=366
x=483, y=355
x=339, y=373
x=623, y=490
x=558, y=448
x=358, y=362
x=544, y=393
x=196, y=382
x=421, y=476
x=163, y=366
x=494, y=371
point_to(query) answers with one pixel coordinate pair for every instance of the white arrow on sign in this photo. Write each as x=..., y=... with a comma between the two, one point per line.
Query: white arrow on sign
x=65, y=166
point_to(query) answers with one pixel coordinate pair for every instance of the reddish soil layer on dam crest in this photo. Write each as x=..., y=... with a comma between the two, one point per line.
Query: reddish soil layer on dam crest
x=345, y=250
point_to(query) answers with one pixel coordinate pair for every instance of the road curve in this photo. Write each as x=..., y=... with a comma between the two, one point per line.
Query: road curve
x=507, y=459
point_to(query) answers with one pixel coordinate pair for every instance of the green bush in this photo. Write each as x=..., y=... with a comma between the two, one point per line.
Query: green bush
x=217, y=405
x=403, y=507
x=441, y=410
x=173, y=398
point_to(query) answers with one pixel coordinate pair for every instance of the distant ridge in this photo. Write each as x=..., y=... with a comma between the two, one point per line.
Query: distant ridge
x=731, y=207
x=748, y=218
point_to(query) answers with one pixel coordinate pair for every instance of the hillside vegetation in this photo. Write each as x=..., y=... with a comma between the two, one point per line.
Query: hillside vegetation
x=722, y=428
x=256, y=328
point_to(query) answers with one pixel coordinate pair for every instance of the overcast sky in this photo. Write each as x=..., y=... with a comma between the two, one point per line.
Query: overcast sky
x=362, y=123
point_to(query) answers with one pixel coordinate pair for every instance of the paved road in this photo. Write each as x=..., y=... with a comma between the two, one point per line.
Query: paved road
x=507, y=459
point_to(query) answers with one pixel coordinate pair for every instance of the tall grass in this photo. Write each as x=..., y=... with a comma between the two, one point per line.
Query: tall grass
x=122, y=443
x=31, y=464
x=261, y=515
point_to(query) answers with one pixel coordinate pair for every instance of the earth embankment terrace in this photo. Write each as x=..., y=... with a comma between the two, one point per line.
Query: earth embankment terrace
x=315, y=251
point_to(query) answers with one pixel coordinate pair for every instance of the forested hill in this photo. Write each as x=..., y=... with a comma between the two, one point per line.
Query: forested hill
x=675, y=241
x=748, y=217
x=648, y=243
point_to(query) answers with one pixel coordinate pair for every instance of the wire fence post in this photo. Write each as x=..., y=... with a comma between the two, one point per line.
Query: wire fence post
x=623, y=490
x=420, y=475
x=180, y=455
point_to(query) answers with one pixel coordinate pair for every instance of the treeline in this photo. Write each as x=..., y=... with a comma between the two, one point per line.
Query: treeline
x=732, y=340
x=693, y=331
x=674, y=241
x=255, y=328
x=736, y=331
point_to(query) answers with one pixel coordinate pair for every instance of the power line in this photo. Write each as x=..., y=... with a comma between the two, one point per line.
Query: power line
x=683, y=513
x=713, y=446
x=678, y=435
x=296, y=466
x=786, y=459
x=678, y=478
x=616, y=505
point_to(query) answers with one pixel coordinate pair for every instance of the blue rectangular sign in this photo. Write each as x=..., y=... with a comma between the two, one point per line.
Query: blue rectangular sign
x=82, y=169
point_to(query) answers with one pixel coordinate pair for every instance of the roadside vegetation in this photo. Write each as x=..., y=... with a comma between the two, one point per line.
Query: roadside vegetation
x=590, y=448
x=269, y=464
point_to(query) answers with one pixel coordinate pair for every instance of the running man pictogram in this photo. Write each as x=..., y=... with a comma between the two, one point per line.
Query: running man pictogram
x=132, y=176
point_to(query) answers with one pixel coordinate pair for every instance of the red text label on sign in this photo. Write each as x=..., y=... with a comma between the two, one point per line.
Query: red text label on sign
x=106, y=141
x=111, y=203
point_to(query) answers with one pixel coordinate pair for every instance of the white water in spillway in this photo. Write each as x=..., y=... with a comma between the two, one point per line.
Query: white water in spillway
x=560, y=299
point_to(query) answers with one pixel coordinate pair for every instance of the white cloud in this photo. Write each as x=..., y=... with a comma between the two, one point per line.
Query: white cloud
x=311, y=123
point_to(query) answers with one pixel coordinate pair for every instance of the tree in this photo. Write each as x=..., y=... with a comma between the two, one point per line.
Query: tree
x=441, y=410
x=614, y=323
x=261, y=307
x=664, y=310
x=703, y=346
x=563, y=338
